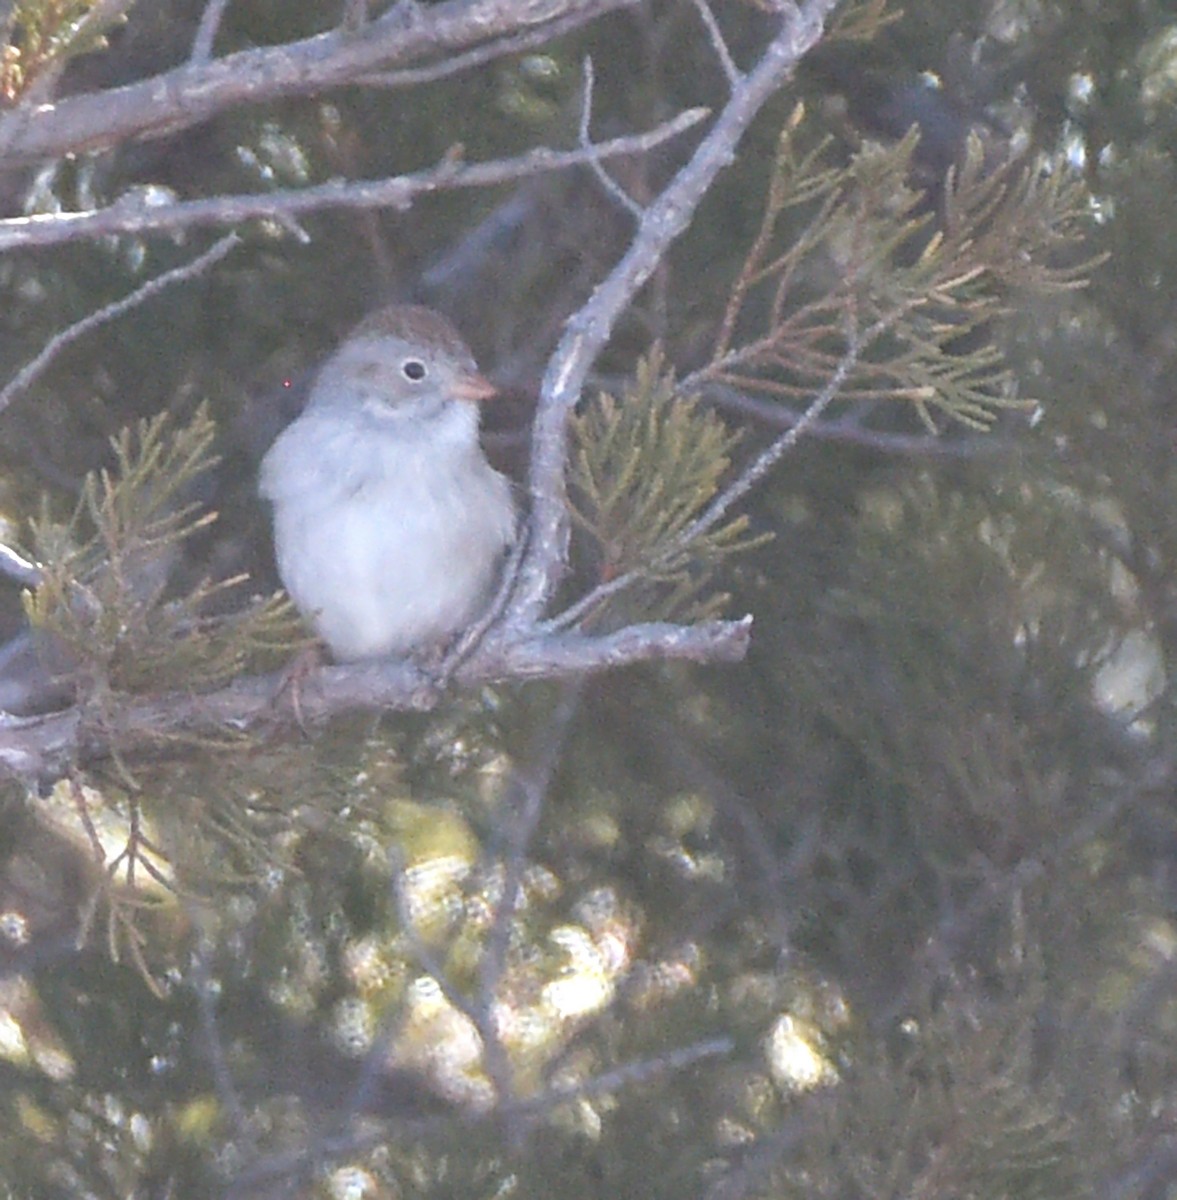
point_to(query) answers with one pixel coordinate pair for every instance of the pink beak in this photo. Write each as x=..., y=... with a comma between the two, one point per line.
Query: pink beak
x=474, y=387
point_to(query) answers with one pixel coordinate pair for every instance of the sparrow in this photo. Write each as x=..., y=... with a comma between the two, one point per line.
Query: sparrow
x=390, y=526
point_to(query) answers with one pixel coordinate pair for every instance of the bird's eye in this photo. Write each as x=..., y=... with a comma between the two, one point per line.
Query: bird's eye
x=414, y=369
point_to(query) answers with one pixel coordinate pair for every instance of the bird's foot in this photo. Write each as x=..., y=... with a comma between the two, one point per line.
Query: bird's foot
x=289, y=691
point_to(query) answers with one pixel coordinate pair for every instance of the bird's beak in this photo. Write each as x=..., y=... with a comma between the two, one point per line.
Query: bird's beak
x=474, y=387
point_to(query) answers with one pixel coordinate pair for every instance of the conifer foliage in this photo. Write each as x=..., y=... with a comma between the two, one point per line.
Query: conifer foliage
x=797, y=821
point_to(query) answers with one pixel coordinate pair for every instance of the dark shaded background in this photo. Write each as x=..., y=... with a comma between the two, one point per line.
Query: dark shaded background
x=915, y=857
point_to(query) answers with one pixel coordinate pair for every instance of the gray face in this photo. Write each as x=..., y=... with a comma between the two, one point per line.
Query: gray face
x=401, y=360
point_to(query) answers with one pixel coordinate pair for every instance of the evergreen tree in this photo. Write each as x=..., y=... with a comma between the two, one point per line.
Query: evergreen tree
x=868, y=893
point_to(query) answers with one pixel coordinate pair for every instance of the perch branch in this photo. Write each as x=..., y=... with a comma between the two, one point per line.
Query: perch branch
x=43, y=747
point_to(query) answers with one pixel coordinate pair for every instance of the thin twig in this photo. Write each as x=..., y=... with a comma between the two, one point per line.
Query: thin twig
x=627, y=1075
x=292, y=1165
x=469, y=640
x=589, y=329
x=526, y=791
x=206, y=31
x=463, y=261
x=851, y=431
x=47, y=229
x=214, y=1043
x=611, y=186
x=771, y=455
x=479, y=1015
x=56, y=344
x=718, y=43
x=530, y=786
x=514, y=43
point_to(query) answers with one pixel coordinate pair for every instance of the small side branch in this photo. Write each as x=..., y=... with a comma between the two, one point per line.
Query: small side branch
x=747, y=479
x=611, y=186
x=718, y=43
x=56, y=344
x=206, y=31
x=398, y=192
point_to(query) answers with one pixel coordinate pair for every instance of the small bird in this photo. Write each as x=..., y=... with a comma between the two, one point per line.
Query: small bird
x=390, y=526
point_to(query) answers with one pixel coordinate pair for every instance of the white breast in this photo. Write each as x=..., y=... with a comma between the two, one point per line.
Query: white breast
x=386, y=549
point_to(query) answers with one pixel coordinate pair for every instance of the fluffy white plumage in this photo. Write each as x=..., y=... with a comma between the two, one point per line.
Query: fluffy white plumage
x=389, y=524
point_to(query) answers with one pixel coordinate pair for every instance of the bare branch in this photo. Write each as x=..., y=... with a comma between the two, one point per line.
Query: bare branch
x=611, y=186
x=641, y=1071
x=768, y=458
x=29, y=372
x=588, y=330
x=513, y=43
x=290, y=1166
x=526, y=793
x=398, y=192
x=198, y=91
x=42, y=747
x=851, y=430
x=214, y=1042
x=717, y=41
x=206, y=31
